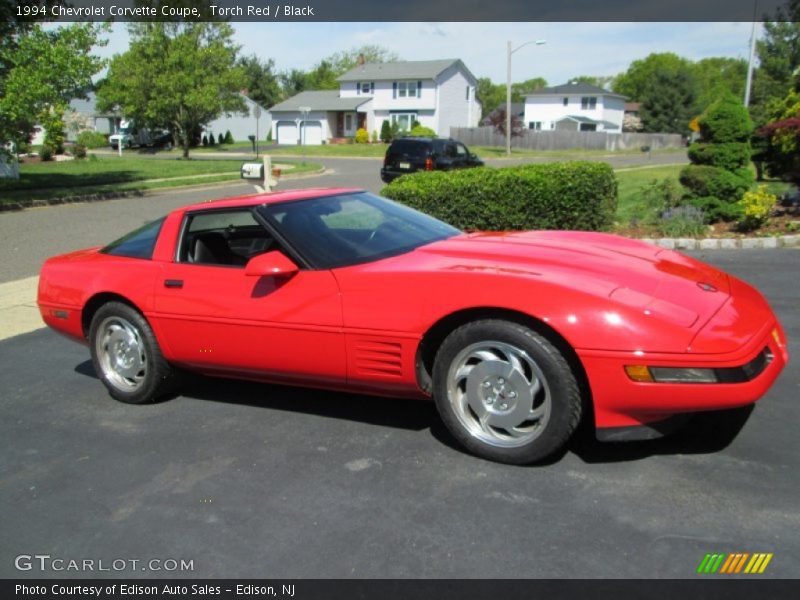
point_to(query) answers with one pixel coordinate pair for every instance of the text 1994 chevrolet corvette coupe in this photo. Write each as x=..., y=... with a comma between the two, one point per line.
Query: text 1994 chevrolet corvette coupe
x=517, y=336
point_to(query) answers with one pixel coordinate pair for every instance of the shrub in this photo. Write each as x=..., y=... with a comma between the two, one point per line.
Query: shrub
x=211, y=140
x=568, y=195
x=729, y=155
x=756, y=207
x=229, y=137
x=92, y=139
x=420, y=131
x=205, y=140
x=386, y=132
x=362, y=137
x=663, y=195
x=374, y=138
x=221, y=139
x=79, y=151
x=703, y=180
x=725, y=121
x=682, y=221
x=47, y=152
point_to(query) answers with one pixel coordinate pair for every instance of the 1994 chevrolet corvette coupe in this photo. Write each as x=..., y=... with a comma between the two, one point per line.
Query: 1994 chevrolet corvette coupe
x=516, y=336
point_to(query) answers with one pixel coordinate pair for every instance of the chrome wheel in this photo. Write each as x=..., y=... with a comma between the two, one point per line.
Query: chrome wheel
x=121, y=353
x=499, y=394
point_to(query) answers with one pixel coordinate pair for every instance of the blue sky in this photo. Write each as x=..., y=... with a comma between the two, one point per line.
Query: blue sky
x=572, y=49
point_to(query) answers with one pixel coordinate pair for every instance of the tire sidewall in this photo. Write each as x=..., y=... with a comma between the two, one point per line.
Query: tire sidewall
x=565, y=398
x=157, y=368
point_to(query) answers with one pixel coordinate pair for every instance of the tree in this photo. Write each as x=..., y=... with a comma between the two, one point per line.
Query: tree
x=783, y=137
x=490, y=95
x=341, y=62
x=716, y=76
x=498, y=120
x=292, y=82
x=322, y=77
x=41, y=71
x=641, y=74
x=518, y=90
x=176, y=75
x=667, y=102
x=779, y=59
x=261, y=81
x=386, y=132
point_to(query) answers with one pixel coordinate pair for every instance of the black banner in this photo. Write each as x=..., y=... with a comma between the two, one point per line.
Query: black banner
x=402, y=589
x=407, y=10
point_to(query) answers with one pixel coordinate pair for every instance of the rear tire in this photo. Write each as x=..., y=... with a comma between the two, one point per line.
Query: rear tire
x=126, y=355
x=505, y=392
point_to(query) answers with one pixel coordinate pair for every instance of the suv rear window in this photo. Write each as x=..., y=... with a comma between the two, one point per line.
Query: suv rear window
x=410, y=147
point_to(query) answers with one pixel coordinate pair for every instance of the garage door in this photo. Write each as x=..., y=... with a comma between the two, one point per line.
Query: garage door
x=287, y=132
x=312, y=133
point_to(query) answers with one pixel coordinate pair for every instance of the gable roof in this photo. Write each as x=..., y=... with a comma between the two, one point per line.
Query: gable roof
x=406, y=69
x=573, y=87
x=580, y=119
x=320, y=100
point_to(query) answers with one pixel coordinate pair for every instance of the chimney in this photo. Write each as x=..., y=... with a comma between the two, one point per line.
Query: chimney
x=361, y=60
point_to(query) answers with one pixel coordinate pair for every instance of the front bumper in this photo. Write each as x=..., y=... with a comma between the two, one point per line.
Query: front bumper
x=620, y=402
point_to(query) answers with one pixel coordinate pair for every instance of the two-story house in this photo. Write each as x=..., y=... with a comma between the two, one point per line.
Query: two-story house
x=439, y=94
x=574, y=106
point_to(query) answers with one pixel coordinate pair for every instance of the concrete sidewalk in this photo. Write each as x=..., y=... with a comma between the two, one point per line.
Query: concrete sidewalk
x=18, y=311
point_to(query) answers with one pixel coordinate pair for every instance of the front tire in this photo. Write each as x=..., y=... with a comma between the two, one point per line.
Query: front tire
x=505, y=392
x=126, y=356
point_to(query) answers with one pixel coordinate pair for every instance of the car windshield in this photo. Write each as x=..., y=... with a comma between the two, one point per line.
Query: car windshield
x=347, y=229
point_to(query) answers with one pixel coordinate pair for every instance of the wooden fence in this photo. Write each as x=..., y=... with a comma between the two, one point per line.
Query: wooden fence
x=567, y=140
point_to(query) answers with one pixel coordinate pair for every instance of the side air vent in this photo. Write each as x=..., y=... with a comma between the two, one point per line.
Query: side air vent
x=374, y=357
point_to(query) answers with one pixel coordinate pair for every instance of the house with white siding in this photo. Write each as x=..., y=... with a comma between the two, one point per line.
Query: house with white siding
x=438, y=94
x=574, y=106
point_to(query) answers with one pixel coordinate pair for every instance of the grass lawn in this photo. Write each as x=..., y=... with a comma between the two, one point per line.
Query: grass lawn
x=111, y=173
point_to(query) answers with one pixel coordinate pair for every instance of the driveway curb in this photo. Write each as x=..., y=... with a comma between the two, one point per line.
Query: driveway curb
x=783, y=241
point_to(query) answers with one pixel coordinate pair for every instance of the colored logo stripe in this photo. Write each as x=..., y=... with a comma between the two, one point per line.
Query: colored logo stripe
x=733, y=563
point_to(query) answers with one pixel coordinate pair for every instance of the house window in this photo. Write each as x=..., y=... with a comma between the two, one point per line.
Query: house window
x=588, y=127
x=403, y=120
x=366, y=88
x=535, y=125
x=407, y=89
x=588, y=103
x=566, y=101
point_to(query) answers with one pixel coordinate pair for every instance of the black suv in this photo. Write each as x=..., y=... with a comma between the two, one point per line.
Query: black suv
x=406, y=155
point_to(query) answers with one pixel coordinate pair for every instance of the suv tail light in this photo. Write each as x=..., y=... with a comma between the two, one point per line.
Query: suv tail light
x=429, y=164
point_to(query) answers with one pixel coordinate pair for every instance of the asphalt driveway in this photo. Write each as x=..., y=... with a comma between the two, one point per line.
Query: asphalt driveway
x=249, y=480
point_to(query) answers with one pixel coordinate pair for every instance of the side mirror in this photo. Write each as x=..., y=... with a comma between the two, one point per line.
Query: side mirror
x=270, y=264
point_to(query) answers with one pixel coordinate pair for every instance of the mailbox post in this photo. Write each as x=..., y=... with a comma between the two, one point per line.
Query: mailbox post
x=260, y=174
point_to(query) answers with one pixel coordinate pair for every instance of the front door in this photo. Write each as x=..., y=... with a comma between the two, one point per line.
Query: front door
x=349, y=124
x=215, y=318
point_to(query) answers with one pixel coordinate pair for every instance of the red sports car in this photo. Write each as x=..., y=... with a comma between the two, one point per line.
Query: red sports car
x=517, y=336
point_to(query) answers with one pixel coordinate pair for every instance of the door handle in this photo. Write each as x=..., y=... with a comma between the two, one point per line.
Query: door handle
x=173, y=283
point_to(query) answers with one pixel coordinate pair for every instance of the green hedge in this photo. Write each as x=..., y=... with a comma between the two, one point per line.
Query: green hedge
x=568, y=195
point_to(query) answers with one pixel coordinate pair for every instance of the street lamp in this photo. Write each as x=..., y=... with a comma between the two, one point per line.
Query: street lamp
x=508, y=88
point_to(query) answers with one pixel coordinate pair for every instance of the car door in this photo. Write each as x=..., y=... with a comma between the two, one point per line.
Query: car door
x=214, y=317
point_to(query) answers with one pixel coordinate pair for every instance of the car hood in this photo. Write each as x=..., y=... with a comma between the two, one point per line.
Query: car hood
x=661, y=282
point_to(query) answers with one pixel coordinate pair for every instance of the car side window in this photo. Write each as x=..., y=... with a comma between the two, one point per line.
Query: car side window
x=226, y=238
x=451, y=150
x=461, y=151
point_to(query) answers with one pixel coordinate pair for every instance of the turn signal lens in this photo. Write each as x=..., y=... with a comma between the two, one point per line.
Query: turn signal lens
x=639, y=373
x=670, y=375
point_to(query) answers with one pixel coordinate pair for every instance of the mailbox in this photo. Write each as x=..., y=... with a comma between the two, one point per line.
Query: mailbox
x=253, y=171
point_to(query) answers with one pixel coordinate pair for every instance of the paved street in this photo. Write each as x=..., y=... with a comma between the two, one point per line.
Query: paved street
x=252, y=480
